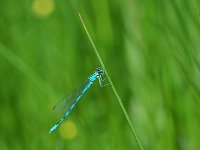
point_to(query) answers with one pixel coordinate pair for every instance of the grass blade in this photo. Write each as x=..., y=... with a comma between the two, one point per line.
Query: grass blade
x=198, y=13
x=113, y=87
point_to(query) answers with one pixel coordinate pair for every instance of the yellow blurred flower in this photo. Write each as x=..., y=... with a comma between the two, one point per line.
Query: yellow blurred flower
x=68, y=130
x=43, y=7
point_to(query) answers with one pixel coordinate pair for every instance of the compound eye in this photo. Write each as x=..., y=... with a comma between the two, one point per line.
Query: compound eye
x=98, y=69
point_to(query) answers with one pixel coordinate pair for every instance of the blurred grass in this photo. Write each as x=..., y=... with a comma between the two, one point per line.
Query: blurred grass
x=151, y=49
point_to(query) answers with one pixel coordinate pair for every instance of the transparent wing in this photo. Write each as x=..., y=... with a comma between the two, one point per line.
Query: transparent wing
x=63, y=106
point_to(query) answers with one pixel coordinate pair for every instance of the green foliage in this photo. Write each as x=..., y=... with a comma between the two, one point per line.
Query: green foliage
x=150, y=49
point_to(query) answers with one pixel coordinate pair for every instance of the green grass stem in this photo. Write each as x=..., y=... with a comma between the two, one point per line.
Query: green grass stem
x=113, y=87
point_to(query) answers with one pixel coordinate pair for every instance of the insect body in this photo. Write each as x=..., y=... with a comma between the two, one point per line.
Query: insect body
x=68, y=104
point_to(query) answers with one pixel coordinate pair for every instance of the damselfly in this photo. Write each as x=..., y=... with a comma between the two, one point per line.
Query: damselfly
x=68, y=104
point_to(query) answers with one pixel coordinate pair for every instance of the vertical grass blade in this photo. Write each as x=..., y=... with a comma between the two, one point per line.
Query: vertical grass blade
x=113, y=87
x=198, y=13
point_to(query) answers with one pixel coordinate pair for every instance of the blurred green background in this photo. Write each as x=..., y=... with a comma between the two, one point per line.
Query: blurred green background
x=150, y=49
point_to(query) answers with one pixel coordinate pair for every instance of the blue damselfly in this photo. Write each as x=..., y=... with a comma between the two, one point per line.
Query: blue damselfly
x=68, y=104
